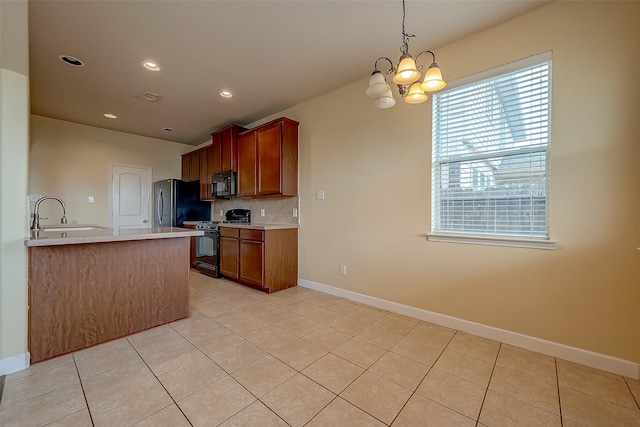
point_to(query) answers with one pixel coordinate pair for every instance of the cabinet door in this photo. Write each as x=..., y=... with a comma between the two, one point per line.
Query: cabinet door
x=251, y=262
x=192, y=246
x=186, y=167
x=229, y=257
x=247, y=164
x=214, y=154
x=227, y=149
x=205, y=177
x=194, y=168
x=269, y=143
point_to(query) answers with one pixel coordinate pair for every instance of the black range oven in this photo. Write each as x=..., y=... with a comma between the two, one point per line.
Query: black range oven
x=208, y=246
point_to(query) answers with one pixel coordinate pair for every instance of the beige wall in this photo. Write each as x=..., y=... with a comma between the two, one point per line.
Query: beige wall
x=14, y=144
x=73, y=161
x=374, y=166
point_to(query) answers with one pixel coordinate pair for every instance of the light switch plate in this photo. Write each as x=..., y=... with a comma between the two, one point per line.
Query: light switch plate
x=34, y=197
x=320, y=195
x=90, y=199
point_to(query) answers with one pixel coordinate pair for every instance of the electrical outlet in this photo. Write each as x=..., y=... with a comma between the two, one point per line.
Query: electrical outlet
x=221, y=212
x=295, y=213
x=343, y=269
x=262, y=213
x=320, y=195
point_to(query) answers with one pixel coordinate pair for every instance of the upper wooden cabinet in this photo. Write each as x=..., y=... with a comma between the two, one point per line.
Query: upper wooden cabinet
x=246, y=179
x=224, y=149
x=265, y=159
x=191, y=166
x=205, y=176
x=268, y=159
x=195, y=166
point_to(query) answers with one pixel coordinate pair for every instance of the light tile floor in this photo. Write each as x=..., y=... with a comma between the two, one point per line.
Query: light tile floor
x=304, y=358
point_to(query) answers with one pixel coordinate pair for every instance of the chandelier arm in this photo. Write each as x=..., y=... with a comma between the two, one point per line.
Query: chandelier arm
x=426, y=51
x=391, y=68
x=420, y=67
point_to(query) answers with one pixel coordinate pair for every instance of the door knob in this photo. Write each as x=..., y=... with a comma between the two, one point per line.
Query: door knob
x=145, y=221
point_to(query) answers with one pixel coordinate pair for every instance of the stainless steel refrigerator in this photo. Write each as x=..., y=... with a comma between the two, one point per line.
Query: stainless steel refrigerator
x=177, y=201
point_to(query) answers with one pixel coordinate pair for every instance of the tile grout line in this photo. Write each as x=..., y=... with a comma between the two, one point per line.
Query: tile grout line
x=2, y=380
x=161, y=384
x=486, y=391
x=637, y=399
x=425, y=375
x=555, y=364
x=82, y=387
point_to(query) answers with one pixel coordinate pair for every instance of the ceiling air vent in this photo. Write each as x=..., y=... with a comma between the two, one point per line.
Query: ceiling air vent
x=151, y=97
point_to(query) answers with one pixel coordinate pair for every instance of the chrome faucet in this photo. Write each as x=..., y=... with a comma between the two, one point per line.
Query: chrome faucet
x=35, y=225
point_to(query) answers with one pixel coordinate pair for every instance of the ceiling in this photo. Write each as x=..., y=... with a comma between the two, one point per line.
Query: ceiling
x=271, y=54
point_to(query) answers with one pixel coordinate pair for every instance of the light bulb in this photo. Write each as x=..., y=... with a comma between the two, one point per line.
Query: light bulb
x=407, y=72
x=377, y=85
x=433, y=79
x=416, y=95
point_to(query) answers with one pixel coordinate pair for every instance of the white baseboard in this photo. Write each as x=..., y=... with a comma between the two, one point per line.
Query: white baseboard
x=13, y=364
x=584, y=357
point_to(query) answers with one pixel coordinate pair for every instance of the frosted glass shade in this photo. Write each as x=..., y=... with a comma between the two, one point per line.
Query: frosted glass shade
x=377, y=85
x=386, y=101
x=433, y=79
x=407, y=72
x=416, y=95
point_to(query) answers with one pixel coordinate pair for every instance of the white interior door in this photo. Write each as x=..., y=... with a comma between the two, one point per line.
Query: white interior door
x=130, y=197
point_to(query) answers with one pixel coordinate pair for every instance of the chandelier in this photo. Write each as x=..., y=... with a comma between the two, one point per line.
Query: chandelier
x=406, y=76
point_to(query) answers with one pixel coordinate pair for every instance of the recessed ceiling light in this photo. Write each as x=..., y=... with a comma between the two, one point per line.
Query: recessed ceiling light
x=226, y=94
x=151, y=66
x=70, y=60
x=110, y=116
x=167, y=130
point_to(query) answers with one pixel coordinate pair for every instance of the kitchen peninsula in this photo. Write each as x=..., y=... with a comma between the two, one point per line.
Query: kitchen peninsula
x=91, y=286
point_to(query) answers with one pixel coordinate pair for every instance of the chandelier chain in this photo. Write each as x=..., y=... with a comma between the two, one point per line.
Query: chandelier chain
x=405, y=36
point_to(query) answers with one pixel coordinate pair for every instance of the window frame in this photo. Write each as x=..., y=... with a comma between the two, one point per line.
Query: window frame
x=495, y=239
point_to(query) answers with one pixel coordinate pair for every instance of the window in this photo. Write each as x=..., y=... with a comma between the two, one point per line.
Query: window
x=490, y=176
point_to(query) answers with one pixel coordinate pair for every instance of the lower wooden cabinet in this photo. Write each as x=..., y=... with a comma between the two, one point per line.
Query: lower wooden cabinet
x=251, y=257
x=229, y=245
x=263, y=259
x=192, y=246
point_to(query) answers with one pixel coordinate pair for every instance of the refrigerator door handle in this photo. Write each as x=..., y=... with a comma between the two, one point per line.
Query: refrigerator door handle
x=159, y=207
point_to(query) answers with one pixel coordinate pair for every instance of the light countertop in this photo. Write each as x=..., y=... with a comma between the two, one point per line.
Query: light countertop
x=254, y=226
x=100, y=235
x=192, y=222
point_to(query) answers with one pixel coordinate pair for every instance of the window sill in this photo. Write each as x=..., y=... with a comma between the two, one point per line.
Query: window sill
x=493, y=241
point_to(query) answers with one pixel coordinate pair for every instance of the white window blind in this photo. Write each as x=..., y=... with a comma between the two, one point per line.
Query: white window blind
x=490, y=173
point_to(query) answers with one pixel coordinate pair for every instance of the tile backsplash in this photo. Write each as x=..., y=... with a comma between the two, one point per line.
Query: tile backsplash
x=278, y=210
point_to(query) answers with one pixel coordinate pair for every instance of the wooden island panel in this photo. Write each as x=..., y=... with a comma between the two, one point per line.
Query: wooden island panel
x=85, y=294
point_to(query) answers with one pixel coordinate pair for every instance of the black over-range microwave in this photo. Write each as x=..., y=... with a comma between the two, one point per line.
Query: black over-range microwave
x=223, y=184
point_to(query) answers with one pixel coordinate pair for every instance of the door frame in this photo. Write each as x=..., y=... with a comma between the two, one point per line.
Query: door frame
x=150, y=176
